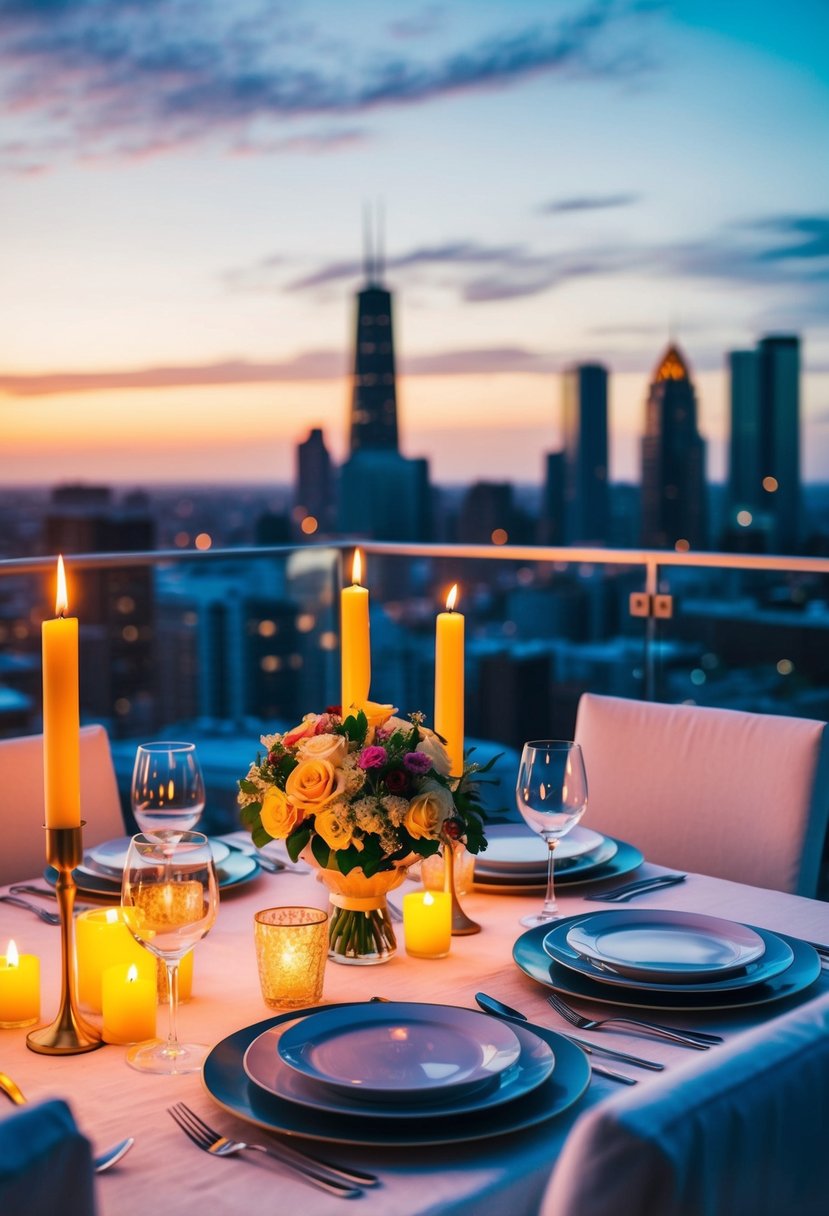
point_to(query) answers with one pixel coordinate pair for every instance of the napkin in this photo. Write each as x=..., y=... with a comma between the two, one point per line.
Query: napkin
x=45, y=1162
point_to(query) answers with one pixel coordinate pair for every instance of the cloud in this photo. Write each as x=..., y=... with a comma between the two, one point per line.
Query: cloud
x=155, y=76
x=596, y=202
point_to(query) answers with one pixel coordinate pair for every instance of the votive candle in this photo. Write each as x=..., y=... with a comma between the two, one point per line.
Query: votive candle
x=128, y=1002
x=102, y=941
x=19, y=988
x=427, y=923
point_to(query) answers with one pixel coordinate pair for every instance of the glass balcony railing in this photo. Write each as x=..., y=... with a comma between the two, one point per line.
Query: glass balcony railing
x=222, y=646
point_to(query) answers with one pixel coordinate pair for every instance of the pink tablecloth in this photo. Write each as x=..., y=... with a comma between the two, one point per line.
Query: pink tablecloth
x=165, y=1173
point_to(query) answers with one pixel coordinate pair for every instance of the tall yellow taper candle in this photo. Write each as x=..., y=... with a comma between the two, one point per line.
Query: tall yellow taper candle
x=355, y=652
x=61, y=715
x=449, y=681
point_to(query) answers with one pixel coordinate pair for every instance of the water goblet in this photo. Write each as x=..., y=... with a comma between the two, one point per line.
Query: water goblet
x=167, y=788
x=170, y=896
x=551, y=792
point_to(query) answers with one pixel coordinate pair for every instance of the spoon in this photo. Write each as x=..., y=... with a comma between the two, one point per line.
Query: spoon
x=105, y=1161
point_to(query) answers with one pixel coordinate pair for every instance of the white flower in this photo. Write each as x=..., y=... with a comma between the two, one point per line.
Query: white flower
x=432, y=747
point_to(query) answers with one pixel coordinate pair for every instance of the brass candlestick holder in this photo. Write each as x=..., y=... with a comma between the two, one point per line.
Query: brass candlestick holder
x=69, y=1034
x=462, y=925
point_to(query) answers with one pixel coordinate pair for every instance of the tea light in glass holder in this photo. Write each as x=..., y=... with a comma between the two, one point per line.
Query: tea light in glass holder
x=291, y=951
x=427, y=923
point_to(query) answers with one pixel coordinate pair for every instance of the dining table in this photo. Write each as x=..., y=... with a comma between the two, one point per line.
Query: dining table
x=491, y=1175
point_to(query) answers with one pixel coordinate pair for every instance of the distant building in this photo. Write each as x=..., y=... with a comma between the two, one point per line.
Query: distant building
x=314, y=482
x=764, y=488
x=486, y=513
x=674, y=514
x=551, y=518
x=374, y=392
x=584, y=425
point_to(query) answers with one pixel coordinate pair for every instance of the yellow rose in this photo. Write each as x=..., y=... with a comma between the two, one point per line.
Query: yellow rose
x=279, y=816
x=313, y=783
x=427, y=812
x=333, y=748
x=331, y=825
x=376, y=713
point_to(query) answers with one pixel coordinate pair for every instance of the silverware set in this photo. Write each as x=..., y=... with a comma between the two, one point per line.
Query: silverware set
x=630, y=890
x=686, y=1038
x=335, y=1179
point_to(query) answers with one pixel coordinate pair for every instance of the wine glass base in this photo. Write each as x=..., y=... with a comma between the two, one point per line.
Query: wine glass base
x=156, y=1056
x=539, y=918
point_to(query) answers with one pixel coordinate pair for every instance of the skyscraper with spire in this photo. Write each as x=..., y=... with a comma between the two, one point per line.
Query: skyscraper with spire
x=373, y=423
x=673, y=460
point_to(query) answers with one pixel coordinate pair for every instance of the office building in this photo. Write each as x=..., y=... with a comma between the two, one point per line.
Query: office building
x=584, y=427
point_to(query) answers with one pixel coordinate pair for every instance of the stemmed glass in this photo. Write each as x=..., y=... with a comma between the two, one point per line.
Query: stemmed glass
x=167, y=786
x=551, y=793
x=171, y=895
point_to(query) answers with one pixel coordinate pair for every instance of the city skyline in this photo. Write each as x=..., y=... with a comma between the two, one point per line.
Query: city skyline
x=183, y=221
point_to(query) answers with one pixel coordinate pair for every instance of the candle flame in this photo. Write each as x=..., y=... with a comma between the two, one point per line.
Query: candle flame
x=357, y=568
x=428, y=899
x=61, y=599
x=111, y=916
x=12, y=957
x=452, y=598
x=171, y=791
x=132, y=974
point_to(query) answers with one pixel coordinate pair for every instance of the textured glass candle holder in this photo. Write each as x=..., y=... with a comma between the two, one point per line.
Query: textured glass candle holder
x=291, y=949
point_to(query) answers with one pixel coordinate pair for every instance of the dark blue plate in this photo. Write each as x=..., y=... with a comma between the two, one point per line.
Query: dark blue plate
x=225, y=1080
x=579, y=872
x=236, y=869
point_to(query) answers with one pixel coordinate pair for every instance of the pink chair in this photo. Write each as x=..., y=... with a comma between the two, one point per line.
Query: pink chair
x=737, y=795
x=23, y=850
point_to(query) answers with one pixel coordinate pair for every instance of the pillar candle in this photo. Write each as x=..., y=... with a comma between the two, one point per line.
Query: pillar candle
x=61, y=715
x=449, y=646
x=19, y=988
x=427, y=923
x=355, y=651
x=128, y=1002
x=102, y=941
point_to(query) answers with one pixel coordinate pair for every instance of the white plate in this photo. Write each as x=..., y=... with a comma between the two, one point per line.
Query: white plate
x=399, y=1052
x=583, y=864
x=512, y=849
x=665, y=946
x=264, y=1067
x=112, y=854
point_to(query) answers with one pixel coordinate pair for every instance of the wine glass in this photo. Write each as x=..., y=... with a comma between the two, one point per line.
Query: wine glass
x=551, y=793
x=167, y=788
x=170, y=895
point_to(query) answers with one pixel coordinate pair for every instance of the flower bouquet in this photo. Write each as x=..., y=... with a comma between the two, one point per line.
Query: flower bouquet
x=361, y=799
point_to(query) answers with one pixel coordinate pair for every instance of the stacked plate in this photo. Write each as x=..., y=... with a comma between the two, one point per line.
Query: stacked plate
x=395, y=1074
x=666, y=960
x=102, y=868
x=515, y=860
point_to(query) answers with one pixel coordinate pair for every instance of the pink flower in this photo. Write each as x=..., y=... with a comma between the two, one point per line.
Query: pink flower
x=417, y=762
x=373, y=757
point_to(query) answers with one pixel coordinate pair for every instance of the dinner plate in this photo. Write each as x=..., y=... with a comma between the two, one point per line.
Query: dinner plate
x=528, y=952
x=112, y=854
x=264, y=1067
x=680, y=947
x=224, y=1078
x=581, y=870
x=399, y=1052
x=512, y=849
x=583, y=864
x=776, y=958
x=237, y=868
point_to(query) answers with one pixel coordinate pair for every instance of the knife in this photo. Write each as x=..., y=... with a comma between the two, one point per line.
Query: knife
x=632, y=889
x=499, y=1010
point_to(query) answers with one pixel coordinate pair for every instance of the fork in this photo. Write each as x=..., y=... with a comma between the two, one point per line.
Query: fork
x=344, y=1183
x=51, y=918
x=688, y=1038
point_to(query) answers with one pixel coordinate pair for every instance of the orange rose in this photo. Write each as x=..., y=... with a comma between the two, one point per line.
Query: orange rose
x=428, y=811
x=334, y=830
x=279, y=817
x=306, y=728
x=313, y=783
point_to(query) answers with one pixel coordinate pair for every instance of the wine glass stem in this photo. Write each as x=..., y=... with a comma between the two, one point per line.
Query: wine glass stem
x=172, y=989
x=550, y=906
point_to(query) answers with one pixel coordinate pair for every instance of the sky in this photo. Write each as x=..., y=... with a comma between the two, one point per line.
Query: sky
x=183, y=186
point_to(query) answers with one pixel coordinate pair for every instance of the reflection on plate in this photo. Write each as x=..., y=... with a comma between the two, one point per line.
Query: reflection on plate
x=680, y=947
x=529, y=954
x=225, y=1080
x=264, y=1067
x=397, y=1051
x=776, y=958
x=622, y=858
x=511, y=848
x=236, y=869
x=112, y=854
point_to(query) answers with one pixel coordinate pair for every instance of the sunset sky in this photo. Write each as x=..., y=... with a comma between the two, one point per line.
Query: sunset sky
x=183, y=183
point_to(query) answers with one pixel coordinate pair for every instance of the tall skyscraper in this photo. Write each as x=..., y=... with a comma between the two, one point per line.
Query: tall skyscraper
x=764, y=454
x=374, y=396
x=584, y=425
x=314, y=485
x=673, y=460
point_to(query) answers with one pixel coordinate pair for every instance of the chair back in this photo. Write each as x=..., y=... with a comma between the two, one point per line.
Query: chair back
x=737, y=795
x=739, y=1132
x=23, y=850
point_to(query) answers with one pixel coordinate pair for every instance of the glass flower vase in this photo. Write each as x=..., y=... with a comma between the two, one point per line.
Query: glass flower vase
x=360, y=929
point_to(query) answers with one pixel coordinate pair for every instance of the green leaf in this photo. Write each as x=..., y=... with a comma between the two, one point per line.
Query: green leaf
x=247, y=787
x=356, y=727
x=249, y=814
x=321, y=851
x=260, y=837
x=297, y=841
